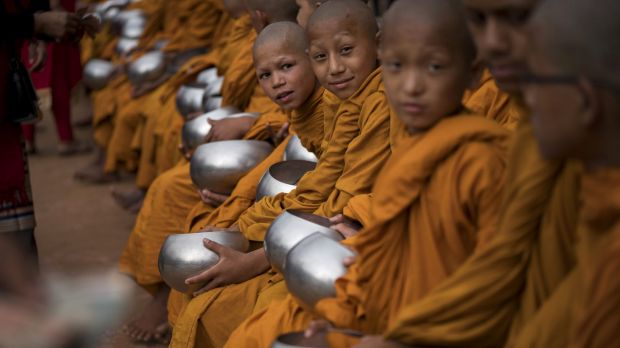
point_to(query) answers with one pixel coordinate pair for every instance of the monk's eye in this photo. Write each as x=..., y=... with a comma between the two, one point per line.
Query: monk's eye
x=286, y=66
x=517, y=16
x=434, y=67
x=319, y=57
x=346, y=50
x=476, y=18
x=263, y=76
x=392, y=65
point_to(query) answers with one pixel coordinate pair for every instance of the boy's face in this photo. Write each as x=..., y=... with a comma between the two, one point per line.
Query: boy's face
x=555, y=108
x=342, y=55
x=306, y=8
x=497, y=27
x=424, y=72
x=285, y=75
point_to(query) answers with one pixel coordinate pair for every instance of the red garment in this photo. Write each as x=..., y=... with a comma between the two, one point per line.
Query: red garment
x=16, y=211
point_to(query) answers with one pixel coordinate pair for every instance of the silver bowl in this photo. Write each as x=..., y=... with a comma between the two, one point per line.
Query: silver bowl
x=312, y=267
x=125, y=46
x=215, y=87
x=290, y=228
x=97, y=73
x=118, y=22
x=319, y=340
x=184, y=255
x=147, y=68
x=207, y=76
x=109, y=9
x=210, y=103
x=189, y=98
x=282, y=177
x=134, y=27
x=109, y=14
x=217, y=166
x=160, y=44
x=195, y=130
x=295, y=150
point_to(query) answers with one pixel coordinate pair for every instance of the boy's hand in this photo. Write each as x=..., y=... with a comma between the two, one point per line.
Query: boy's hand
x=378, y=342
x=345, y=226
x=37, y=55
x=317, y=326
x=278, y=136
x=209, y=197
x=233, y=267
x=229, y=128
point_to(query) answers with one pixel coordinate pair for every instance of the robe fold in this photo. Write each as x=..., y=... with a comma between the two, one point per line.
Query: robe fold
x=476, y=305
x=355, y=147
x=493, y=103
x=597, y=322
x=434, y=203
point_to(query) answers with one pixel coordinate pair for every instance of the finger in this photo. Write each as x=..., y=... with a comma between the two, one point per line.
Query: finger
x=336, y=219
x=348, y=261
x=283, y=130
x=210, y=286
x=209, y=136
x=315, y=327
x=204, y=277
x=217, y=248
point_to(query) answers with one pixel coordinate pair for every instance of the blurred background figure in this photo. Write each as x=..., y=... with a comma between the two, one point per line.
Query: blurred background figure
x=60, y=72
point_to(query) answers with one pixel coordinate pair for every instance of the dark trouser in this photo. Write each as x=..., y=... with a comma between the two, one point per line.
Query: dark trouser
x=25, y=243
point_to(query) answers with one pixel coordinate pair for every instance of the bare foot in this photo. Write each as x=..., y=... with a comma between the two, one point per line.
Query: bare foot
x=128, y=198
x=152, y=324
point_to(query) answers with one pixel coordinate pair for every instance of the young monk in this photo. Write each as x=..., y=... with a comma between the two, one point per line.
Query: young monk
x=435, y=201
x=575, y=103
x=173, y=194
x=503, y=286
x=354, y=148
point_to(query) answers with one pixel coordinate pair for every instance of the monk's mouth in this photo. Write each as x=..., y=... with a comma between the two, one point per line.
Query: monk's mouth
x=342, y=83
x=284, y=96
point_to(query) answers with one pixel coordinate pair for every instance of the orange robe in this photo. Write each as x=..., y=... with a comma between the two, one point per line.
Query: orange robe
x=435, y=202
x=476, y=305
x=597, y=322
x=354, y=148
x=493, y=103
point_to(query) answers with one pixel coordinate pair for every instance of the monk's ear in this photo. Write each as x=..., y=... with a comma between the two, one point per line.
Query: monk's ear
x=378, y=36
x=591, y=96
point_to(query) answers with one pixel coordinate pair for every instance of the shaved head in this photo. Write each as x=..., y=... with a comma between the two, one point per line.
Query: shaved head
x=353, y=12
x=282, y=34
x=447, y=17
x=580, y=36
x=275, y=10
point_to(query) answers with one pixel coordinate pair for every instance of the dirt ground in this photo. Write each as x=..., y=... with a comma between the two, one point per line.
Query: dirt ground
x=80, y=229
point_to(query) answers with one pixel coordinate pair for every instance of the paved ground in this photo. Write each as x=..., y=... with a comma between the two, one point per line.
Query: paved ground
x=80, y=228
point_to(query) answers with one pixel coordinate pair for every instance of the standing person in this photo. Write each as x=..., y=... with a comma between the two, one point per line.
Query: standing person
x=19, y=20
x=61, y=73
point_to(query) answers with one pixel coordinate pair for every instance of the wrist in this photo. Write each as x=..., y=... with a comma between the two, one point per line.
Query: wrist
x=38, y=23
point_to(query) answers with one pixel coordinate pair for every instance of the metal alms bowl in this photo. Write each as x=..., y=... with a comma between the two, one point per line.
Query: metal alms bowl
x=147, y=68
x=195, y=130
x=282, y=177
x=189, y=98
x=134, y=27
x=323, y=339
x=118, y=22
x=219, y=165
x=211, y=103
x=295, y=150
x=184, y=255
x=312, y=267
x=97, y=73
x=124, y=46
x=207, y=76
x=290, y=228
x=215, y=87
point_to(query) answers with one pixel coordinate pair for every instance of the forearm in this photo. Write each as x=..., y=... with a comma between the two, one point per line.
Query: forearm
x=259, y=262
